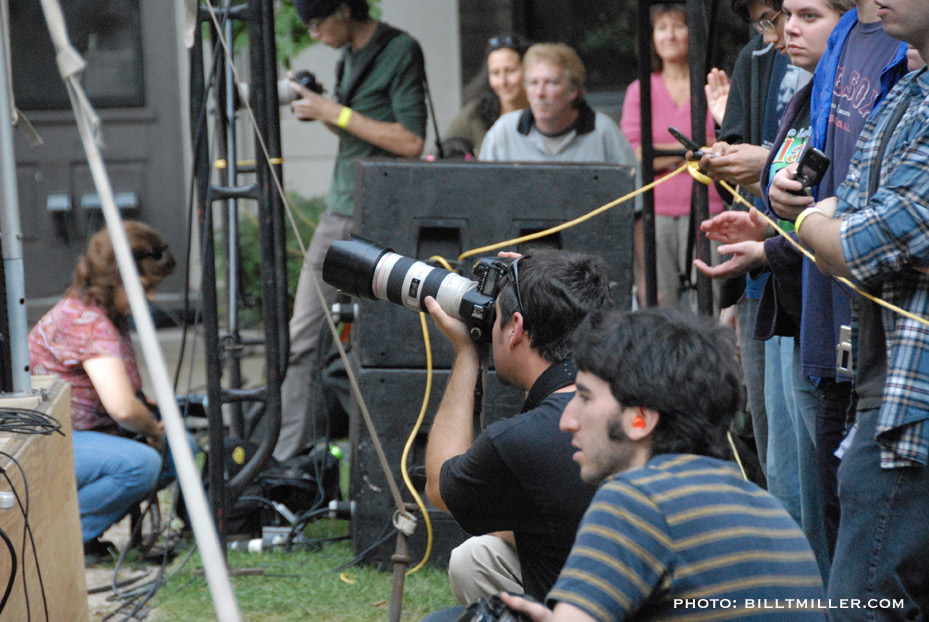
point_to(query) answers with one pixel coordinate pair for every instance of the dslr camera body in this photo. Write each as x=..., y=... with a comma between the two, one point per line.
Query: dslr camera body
x=285, y=92
x=366, y=270
x=492, y=609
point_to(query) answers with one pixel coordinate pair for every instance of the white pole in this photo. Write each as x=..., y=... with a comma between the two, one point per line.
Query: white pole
x=217, y=574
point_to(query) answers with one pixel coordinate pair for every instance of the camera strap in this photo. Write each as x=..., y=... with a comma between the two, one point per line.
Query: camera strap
x=557, y=376
x=385, y=34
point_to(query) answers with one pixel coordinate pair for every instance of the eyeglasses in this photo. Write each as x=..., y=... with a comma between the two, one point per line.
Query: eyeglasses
x=767, y=25
x=314, y=23
x=513, y=272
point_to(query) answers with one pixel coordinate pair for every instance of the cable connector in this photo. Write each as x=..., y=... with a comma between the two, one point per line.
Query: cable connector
x=7, y=500
x=341, y=509
x=405, y=522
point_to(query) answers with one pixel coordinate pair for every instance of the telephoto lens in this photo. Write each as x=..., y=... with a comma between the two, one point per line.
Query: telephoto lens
x=364, y=269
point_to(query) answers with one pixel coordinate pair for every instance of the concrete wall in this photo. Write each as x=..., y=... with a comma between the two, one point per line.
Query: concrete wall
x=309, y=148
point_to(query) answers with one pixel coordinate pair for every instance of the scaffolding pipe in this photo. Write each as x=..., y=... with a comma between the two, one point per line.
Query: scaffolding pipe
x=12, y=242
x=70, y=65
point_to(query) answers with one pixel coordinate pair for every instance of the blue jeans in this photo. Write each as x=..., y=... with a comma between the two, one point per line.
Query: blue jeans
x=753, y=368
x=113, y=474
x=812, y=519
x=882, y=550
x=781, y=407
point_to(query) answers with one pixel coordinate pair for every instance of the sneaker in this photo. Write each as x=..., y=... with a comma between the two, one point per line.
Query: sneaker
x=97, y=551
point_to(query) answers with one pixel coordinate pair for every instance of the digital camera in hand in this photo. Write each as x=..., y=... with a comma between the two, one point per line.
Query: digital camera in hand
x=285, y=92
x=307, y=80
x=362, y=268
x=493, y=609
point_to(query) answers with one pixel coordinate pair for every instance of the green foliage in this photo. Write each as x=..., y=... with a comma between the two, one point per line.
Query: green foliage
x=302, y=585
x=306, y=213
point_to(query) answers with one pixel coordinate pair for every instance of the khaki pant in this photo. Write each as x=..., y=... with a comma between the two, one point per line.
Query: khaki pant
x=483, y=566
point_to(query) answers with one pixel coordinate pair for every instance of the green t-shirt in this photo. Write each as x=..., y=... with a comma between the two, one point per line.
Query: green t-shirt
x=392, y=91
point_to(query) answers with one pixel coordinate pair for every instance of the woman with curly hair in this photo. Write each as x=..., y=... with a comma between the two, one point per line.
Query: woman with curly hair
x=84, y=339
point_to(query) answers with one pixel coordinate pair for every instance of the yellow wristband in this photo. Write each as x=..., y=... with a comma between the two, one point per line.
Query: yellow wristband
x=344, y=117
x=810, y=210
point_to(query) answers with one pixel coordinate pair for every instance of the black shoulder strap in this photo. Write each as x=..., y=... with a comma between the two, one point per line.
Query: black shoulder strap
x=385, y=34
x=557, y=376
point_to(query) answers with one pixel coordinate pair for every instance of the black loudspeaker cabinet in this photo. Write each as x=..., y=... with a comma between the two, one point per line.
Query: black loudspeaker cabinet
x=394, y=397
x=422, y=209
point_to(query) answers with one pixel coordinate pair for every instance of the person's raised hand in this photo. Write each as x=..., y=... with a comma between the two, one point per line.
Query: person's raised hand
x=717, y=93
x=782, y=194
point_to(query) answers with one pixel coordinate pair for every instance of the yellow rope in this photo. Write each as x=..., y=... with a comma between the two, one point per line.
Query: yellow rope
x=576, y=221
x=409, y=443
x=812, y=258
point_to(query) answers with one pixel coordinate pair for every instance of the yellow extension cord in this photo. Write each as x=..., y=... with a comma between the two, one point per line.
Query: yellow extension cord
x=693, y=169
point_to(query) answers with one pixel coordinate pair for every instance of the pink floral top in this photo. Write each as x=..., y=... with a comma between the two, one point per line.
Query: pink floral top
x=69, y=334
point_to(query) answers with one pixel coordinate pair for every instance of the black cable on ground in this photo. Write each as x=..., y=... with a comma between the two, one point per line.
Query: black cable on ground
x=27, y=530
x=387, y=531
x=9, y=583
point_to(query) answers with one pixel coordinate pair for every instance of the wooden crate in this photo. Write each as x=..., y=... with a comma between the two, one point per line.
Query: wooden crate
x=48, y=463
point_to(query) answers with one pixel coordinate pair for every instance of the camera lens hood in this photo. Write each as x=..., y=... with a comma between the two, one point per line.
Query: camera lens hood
x=349, y=266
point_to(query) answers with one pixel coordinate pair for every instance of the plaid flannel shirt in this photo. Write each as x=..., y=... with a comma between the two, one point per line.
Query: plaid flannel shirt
x=883, y=240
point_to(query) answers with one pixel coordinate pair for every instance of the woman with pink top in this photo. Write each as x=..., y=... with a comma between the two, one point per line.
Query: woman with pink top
x=670, y=86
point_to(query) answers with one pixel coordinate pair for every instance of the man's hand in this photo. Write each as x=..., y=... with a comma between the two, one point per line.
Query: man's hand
x=313, y=106
x=746, y=256
x=780, y=194
x=740, y=164
x=736, y=226
x=717, y=93
x=454, y=329
x=537, y=612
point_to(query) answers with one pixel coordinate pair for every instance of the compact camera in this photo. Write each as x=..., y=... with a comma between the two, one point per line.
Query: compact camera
x=362, y=268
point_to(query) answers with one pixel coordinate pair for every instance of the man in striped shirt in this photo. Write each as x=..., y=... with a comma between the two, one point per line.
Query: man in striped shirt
x=674, y=531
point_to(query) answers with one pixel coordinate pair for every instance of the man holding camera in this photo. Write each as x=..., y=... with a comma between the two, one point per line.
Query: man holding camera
x=516, y=479
x=379, y=110
x=674, y=531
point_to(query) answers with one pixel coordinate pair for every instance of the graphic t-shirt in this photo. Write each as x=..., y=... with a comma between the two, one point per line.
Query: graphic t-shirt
x=797, y=137
x=857, y=87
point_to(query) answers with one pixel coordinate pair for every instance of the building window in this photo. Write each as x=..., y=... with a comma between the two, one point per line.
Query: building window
x=107, y=33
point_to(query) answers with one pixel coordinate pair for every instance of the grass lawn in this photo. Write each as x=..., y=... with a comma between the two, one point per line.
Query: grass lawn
x=302, y=585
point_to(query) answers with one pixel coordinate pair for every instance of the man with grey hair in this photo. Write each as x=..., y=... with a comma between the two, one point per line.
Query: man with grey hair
x=559, y=125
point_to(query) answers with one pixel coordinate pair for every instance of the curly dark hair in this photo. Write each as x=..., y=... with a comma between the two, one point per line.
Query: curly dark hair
x=96, y=278
x=678, y=364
